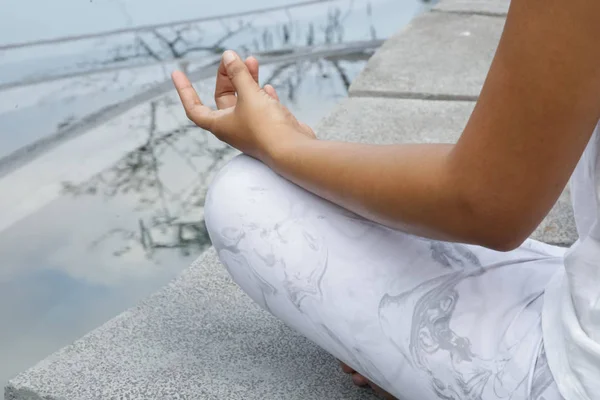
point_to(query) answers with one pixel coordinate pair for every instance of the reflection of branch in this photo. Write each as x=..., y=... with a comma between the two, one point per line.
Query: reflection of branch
x=231, y=33
x=310, y=38
x=154, y=164
x=123, y=233
x=171, y=44
x=121, y=31
x=148, y=49
x=334, y=26
x=139, y=172
x=372, y=25
x=345, y=80
x=163, y=43
x=217, y=155
x=277, y=72
x=171, y=47
x=188, y=161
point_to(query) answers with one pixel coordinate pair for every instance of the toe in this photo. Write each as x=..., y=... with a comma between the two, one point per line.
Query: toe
x=346, y=368
x=359, y=380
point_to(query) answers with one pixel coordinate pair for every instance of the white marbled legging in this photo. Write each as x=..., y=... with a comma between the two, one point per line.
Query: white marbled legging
x=422, y=319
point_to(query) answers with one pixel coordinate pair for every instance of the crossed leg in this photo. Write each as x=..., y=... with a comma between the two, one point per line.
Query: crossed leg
x=420, y=319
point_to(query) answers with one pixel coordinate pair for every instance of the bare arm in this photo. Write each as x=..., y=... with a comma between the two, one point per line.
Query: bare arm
x=535, y=115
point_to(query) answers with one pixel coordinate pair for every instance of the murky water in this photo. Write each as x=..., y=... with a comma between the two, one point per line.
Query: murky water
x=104, y=211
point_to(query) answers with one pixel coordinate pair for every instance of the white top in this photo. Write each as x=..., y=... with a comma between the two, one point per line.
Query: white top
x=571, y=316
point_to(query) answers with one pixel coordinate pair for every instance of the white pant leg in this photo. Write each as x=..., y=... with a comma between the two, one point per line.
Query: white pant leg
x=423, y=319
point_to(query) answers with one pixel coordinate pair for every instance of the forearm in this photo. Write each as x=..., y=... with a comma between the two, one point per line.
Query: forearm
x=407, y=187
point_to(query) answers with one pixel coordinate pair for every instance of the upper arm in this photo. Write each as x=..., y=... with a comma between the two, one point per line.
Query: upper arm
x=536, y=113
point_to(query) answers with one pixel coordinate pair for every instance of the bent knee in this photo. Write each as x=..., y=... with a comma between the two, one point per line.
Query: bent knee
x=241, y=194
x=259, y=225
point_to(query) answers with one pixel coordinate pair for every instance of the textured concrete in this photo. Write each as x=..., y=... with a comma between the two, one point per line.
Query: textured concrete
x=481, y=7
x=558, y=227
x=387, y=120
x=198, y=338
x=439, y=55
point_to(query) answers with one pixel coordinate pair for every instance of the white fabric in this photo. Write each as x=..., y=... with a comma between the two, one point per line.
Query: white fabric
x=571, y=315
x=423, y=319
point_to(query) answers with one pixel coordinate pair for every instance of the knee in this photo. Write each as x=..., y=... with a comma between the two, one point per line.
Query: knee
x=264, y=236
x=234, y=198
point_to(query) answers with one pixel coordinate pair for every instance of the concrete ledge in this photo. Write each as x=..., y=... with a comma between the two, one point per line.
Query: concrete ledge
x=386, y=121
x=480, y=7
x=558, y=228
x=198, y=338
x=438, y=55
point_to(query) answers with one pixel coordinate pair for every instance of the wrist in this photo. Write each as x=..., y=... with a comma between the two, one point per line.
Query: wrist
x=280, y=152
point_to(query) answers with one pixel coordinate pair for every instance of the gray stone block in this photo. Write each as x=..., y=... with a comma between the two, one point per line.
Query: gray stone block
x=559, y=226
x=437, y=56
x=482, y=7
x=386, y=121
x=198, y=338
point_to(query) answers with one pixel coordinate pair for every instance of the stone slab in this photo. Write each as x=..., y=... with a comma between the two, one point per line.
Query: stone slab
x=198, y=338
x=386, y=121
x=558, y=228
x=438, y=56
x=482, y=7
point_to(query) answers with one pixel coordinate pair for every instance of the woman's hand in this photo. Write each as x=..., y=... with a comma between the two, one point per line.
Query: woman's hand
x=535, y=115
x=248, y=118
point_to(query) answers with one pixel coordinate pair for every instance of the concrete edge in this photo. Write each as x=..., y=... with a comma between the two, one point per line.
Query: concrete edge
x=480, y=13
x=360, y=93
x=13, y=393
x=490, y=8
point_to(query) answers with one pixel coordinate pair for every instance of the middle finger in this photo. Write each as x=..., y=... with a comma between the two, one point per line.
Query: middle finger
x=225, y=96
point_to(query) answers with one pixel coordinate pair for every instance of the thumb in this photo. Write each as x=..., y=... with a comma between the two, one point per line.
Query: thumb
x=238, y=73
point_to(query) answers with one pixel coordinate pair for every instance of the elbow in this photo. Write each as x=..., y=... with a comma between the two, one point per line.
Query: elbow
x=503, y=241
x=501, y=227
x=493, y=212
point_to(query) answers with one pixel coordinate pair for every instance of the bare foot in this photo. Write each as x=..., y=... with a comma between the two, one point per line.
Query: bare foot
x=361, y=381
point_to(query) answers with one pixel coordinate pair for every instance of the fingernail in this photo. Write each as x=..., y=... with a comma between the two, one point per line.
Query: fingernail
x=228, y=57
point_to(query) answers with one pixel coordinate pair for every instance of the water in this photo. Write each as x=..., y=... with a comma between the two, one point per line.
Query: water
x=102, y=212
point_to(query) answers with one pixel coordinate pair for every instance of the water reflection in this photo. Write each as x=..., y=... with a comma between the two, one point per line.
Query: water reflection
x=152, y=175
x=70, y=88
x=301, y=24
x=112, y=231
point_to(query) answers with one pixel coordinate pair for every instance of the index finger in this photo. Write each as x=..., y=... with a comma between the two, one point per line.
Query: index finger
x=200, y=114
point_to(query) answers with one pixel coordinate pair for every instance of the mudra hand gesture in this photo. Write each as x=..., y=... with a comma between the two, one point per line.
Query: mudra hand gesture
x=248, y=117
